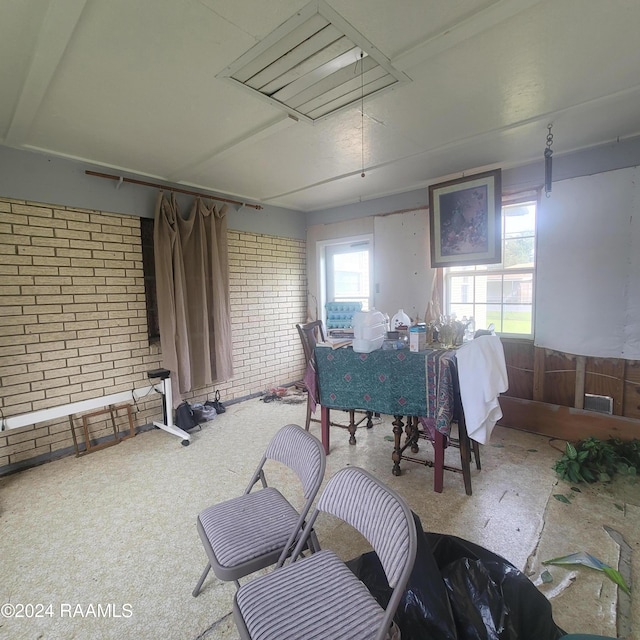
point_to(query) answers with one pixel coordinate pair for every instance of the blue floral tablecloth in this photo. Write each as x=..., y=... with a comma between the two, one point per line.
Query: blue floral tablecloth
x=393, y=382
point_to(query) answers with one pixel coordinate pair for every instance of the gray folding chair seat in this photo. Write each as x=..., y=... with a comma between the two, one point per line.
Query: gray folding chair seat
x=298, y=599
x=317, y=597
x=234, y=543
x=260, y=528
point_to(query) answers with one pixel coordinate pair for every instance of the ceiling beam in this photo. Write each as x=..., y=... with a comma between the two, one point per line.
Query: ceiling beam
x=251, y=137
x=57, y=28
x=460, y=31
x=543, y=119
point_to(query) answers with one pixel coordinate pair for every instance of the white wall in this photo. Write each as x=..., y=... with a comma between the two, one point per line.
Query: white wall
x=402, y=275
x=588, y=266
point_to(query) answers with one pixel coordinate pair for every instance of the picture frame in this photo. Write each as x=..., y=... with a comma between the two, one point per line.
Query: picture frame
x=465, y=220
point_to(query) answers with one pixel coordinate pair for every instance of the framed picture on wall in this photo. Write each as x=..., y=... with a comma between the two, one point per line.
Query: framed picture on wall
x=465, y=220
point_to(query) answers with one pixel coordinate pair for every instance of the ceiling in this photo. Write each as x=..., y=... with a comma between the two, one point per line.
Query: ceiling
x=144, y=87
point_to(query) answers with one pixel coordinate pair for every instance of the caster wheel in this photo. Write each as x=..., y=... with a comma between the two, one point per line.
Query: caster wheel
x=185, y=443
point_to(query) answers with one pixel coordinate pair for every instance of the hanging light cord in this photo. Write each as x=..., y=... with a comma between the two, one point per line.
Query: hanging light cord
x=362, y=110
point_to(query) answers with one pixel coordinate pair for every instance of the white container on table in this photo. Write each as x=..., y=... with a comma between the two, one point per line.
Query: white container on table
x=369, y=331
x=363, y=345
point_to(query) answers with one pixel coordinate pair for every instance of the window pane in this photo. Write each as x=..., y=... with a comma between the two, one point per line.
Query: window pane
x=518, y=318
x=461, y=311
x=461, y=289
x=351, y=276
x=519, y=220
x=519, y=253
x=493, y=315
x=517, y=288
x=489, y=288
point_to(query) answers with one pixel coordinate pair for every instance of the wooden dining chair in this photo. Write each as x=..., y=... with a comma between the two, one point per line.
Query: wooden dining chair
x=310, y=334
x=415, y=431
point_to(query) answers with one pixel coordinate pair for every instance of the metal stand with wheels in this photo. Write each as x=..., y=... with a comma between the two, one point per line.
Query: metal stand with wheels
x=167, y=413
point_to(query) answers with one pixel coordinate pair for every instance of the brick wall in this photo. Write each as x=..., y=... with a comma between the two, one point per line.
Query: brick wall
x=73, y=319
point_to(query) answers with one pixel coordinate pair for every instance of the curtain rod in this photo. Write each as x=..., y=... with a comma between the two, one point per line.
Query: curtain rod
x=174, y=189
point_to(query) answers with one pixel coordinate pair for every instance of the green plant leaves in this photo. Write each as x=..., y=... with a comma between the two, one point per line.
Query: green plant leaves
x=593, y=460
x=587, y=560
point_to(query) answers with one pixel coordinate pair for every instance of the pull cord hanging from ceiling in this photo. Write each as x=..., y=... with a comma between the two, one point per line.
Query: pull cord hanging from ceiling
x=362, y=111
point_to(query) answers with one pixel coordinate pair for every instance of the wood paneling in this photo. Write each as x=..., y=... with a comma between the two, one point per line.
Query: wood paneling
x=631, y=403
x=565, y=423
x=560, y=380
x=605, y=377
x=520, y=366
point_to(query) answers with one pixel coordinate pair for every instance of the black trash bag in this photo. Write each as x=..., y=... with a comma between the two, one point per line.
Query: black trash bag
x=454, y=583
x=478, y=606
x=185, y=419
x=424, y=610
x=490, y=598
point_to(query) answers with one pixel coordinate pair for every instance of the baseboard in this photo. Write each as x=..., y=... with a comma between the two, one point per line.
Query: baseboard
x=565, y=423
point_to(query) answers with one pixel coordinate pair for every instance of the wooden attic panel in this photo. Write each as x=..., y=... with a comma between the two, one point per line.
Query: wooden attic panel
x=520, y=360
x=631, y=400
x=559, y=378
x=605, y=377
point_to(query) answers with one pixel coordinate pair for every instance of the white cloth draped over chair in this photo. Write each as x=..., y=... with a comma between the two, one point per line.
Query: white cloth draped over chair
x=482, y=372
x=192, y=283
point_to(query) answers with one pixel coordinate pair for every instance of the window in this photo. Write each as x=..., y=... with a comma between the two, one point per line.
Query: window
x=149, y=270
x=346, y=269
x=500, y=294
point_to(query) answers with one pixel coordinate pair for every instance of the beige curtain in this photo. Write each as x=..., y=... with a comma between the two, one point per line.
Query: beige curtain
x=192, y=282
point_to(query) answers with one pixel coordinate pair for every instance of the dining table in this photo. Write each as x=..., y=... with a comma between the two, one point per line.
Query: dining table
x=418, y=388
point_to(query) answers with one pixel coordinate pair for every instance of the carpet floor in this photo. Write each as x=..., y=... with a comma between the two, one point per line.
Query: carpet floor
x=105, y=545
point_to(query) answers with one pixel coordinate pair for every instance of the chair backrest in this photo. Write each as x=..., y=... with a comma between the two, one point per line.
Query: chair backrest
x=301, y=452
x=310, y=334
x=379, y=514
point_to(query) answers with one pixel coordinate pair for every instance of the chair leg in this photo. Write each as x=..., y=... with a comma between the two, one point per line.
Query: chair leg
x=352, y=426
x=465, y=454
x=308, y=421
x=476, y=454
x=196, y=591
x=438, y=462
x=465, y=461
x=313, y=543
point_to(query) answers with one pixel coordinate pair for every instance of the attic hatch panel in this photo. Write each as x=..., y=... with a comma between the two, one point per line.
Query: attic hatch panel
x=314, y=65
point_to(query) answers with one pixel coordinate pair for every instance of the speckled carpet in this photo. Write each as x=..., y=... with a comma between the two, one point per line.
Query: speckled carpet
x=105, y=546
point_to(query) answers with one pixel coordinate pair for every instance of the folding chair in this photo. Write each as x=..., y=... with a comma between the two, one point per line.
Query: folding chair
x=260, y=528
x=317, y=596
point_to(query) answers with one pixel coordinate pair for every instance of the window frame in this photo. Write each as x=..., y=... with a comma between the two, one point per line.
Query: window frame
x=448, y=272
x=322, y=248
